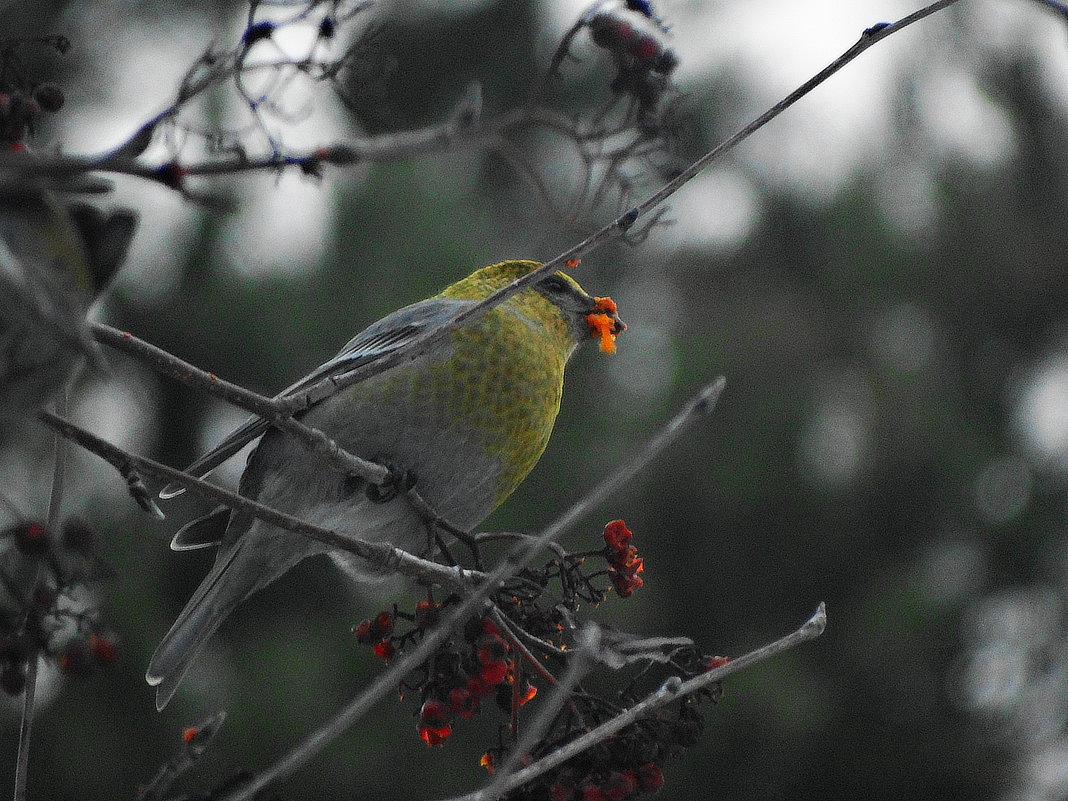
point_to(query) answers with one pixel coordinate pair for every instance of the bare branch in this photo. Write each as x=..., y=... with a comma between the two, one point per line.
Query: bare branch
x=421, y=344
x=195, y=742
x=670, y=691
x=868, y=38
x=271, y=410
x=275, y=411
x=579, y=664
x=380, y=553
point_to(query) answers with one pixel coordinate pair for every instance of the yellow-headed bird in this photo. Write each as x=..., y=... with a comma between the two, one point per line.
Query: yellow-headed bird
x=468, y=420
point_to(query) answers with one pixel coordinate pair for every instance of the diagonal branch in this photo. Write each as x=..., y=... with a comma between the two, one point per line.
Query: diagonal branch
x=670, y=691
x=276, y=411
x=622, y=224
x=380, y=553
x=270, y=410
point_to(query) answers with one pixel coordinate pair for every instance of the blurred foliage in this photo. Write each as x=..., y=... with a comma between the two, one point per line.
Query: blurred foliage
x=872, y=379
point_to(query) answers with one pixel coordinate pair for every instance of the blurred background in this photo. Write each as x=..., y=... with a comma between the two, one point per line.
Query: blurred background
x=881, y=274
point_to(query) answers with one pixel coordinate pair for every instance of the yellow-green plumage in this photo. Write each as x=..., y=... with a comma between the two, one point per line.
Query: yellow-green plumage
x=514, y=371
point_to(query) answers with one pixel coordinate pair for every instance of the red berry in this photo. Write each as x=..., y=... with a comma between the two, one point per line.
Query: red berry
x=31, y=538
x=103, y=648
x=363, y=632
x=527, y=691
x=426, y=614
x=75, y=658
x=650, y=777
x=463, y=703
x=493, y=672
x=384, y=624
x=625, y=579
x=645, y=48
x=385, y=650
x=434, y=713
x=171, y=175
x=617, y=536
x=620, y=786
x=713, y=662
x=491, y=648
x=434, y=736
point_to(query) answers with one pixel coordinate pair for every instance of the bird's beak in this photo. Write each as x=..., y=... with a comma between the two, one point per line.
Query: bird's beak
x=605, y=324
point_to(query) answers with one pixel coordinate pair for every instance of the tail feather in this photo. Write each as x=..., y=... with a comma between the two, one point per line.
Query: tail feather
x=255, y=559
x=213, y=601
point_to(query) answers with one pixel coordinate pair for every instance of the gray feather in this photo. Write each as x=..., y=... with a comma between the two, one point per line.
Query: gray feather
x=204, y=532
x=388, y=334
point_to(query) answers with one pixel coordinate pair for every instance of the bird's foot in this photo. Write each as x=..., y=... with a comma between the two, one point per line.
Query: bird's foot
x=399, y=481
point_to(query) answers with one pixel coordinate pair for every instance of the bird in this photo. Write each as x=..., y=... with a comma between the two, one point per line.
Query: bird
x=466, y=421
x=55, y=261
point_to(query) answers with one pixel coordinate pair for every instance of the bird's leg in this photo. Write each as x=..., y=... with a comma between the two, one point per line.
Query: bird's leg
x=434, y=538
x=398, y=481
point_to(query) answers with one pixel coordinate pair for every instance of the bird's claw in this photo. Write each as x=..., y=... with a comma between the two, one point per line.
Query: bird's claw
x=398, y=481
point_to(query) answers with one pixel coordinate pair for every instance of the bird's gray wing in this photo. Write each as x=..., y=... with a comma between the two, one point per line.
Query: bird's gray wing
x=388, y=334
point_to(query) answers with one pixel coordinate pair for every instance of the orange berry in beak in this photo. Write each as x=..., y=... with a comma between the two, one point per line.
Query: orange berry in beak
x=605, y=324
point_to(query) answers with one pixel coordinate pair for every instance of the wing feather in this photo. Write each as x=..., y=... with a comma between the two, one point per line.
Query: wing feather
x=388, y=334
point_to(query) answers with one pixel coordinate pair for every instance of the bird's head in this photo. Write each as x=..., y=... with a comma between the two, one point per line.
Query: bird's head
x=585, y=316
x=588, y=317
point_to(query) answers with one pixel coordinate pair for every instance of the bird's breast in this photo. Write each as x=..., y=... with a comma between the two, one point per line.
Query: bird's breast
x=470, y=421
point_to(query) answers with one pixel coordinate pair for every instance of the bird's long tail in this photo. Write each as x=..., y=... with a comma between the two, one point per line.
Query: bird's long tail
x=223, y=588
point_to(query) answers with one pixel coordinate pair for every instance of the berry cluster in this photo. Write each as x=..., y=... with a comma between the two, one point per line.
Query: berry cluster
x=626, y=766
x=643, y=60
x=487, y=660
x=21, y=101
x=631, y=762
x=43, y=611
x=624, y=564
x=462, y=673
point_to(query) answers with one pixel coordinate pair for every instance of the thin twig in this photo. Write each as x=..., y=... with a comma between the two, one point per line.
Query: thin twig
x=510, y=632
x=869, y=38
x=378, y=149
x=516, y=536
x=192, y=749
x=29, y=696
x=380, y=553
x=272, y=410
x=670, y=691
x=278, y=414
x=29, y=693
x=577, y=668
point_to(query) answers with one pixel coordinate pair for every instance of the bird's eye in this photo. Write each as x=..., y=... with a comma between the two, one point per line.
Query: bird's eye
x=554, y=283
